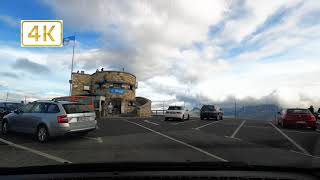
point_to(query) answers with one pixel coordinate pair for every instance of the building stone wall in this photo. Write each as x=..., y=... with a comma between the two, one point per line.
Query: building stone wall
x=144, y=107
x=101, y=81
x=78, y=82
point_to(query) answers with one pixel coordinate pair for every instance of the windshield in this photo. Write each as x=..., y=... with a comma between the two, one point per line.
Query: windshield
x=76, y=108
x=175, y=108
x=298, y=111
x=207, y=108
x=160, y=81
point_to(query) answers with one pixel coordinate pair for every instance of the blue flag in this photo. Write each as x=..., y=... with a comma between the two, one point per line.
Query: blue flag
x=67, y=40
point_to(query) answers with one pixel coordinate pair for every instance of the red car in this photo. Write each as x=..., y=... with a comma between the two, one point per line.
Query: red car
x=296, y=117
x=318, y=122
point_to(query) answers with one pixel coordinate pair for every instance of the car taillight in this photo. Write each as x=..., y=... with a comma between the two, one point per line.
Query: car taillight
x=62, y=119
x=312, y=117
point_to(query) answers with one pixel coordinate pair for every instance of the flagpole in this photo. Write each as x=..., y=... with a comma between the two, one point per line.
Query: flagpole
x=74, y=43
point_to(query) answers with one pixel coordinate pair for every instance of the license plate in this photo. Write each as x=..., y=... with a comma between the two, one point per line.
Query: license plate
x=82, y=119
x=300, y=122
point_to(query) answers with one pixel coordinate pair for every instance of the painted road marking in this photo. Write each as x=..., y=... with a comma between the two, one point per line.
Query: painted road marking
x=237, y=130
x=183, y=122
x=98, y=139
x=151, y=122
x=233, y=138
x=197, y=128
x=291, y=140
x=256, y=126
x=55, y=158
x=178, y=141
x=317, y=157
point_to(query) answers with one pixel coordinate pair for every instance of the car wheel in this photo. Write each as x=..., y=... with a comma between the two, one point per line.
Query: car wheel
x=166, y=119
x=221, y=117
x=188, y=117
x=313, y=128
x=42, y=134
x=201, y=117
x=182, y=117
x=5, y=127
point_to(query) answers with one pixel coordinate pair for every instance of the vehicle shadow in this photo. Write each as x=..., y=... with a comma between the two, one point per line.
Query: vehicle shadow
x=297, y=128
x=21, y=138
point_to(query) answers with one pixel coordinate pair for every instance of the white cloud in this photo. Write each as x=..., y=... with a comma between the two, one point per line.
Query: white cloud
x=155, y=41
x=9, y=20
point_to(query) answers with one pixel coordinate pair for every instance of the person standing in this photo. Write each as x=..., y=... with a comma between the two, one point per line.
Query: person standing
x=311, y=109
x=110, y=108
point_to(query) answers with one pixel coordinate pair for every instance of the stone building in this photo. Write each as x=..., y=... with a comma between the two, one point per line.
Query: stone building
x=118, y=88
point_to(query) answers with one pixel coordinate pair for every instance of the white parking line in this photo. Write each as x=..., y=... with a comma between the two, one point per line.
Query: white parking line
x=55, y=158
x=233, y=138
x=291, y=140
x=151, y=122
x=197, y=128
x=257, y=126
x=317, y=157
x=183, y=122
x=98, y=139
x=178, y=141
x=237, y=130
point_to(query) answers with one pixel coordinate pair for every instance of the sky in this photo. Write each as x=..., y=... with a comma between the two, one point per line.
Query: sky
x=180, y=50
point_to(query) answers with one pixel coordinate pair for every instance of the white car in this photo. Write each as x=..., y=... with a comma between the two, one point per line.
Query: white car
x=177, y=112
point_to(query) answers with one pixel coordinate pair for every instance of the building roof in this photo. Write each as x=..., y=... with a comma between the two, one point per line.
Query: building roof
x=104, y=71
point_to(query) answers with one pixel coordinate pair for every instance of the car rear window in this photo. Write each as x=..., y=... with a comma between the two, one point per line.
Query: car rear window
x=207, y=108
x=76, y=108
x=298, y=111
x=175, y=108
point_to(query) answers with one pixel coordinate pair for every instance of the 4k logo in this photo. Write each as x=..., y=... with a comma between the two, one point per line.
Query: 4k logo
x=41, y=33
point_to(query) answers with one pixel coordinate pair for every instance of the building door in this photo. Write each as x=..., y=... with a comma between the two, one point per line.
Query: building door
x=116, y=106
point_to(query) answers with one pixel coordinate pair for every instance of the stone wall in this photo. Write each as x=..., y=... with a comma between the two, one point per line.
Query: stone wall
x=78, y=82
x=143, y=107
x=107, y=78
x=101, y=81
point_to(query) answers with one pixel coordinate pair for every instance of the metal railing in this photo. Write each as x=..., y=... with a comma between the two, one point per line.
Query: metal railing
x=158, y=112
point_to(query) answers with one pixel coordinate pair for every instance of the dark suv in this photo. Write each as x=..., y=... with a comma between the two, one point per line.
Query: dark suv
x=211, y=111
x=8, y=107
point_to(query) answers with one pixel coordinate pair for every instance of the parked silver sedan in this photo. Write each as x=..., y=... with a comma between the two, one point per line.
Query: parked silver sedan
x=50, y=118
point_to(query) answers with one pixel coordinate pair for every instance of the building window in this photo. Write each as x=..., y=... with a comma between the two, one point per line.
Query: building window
x=117, y=85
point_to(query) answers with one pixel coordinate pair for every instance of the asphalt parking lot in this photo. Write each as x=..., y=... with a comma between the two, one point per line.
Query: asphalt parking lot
x=153, y=139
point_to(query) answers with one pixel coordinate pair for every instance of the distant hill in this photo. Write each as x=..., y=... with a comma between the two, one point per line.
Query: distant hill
x=260, y=112
x=195, y=112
